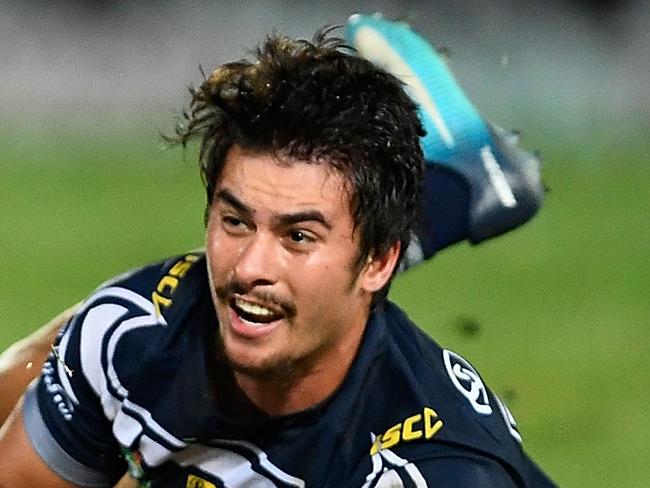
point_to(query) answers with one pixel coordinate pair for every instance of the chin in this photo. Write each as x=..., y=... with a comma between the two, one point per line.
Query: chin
x=269, y=370
x=251, y=360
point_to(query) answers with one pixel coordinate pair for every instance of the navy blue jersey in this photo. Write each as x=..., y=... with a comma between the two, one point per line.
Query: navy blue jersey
x=136, y=381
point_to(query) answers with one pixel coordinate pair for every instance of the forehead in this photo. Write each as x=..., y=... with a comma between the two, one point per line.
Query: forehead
x=282, y=184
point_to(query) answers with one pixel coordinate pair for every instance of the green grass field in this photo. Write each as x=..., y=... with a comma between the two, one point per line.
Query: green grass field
x=553, y=315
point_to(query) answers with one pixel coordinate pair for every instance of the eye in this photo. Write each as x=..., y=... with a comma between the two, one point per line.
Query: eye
x=300, y=239
x=298, y=236
x=232, y=221
x=233, y=224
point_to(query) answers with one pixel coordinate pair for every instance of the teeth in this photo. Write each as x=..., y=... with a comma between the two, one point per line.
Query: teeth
x=253, y=309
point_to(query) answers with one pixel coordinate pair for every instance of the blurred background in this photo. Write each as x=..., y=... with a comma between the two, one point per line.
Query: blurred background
x=553, y=314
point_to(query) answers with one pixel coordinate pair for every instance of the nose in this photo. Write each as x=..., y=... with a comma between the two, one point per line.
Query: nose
x=258, y=261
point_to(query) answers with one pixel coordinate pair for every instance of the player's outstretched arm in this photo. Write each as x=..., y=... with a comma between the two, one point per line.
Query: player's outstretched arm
x=21, y=363
x=19, y=463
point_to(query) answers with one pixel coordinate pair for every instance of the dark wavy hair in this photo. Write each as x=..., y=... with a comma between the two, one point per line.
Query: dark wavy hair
x=317, y=102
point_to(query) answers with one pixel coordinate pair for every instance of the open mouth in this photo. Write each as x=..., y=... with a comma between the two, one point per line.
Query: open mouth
x=254, y=313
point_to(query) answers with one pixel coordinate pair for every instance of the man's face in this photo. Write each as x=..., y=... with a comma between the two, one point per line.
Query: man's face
x=281, y=252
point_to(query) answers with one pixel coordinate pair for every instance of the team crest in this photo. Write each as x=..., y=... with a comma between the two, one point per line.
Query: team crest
x=467, y=382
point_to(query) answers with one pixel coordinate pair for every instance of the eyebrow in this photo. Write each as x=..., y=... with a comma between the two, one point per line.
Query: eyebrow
x=282, y=220
x=285, y=220
x=230, y=199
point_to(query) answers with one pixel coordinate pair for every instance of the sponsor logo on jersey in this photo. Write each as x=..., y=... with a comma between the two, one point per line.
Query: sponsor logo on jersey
x=419, y=426
x=57, y=392
x=196, y=482
x=467, y=381
x=162, y=295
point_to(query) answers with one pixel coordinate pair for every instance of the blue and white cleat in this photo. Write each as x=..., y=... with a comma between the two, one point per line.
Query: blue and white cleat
x=479, y=182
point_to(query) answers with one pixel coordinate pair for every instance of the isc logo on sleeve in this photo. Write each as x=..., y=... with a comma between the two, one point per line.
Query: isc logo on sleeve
x=196, y=482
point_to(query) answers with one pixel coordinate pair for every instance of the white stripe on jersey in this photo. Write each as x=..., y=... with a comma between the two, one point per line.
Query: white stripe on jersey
x=152, y=425
x=126, y=429
x=389, y=477
x=233, y=469
x=96, y=324
x=129, y=296
x=266, y=463
x=130, y=419
x=410, y=468
x=416, y=476
x=126, y=326
x=153, y=453
x=99, y=319
x=377, y=465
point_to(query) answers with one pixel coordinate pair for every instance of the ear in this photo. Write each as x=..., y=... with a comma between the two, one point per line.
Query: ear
x=378, y=269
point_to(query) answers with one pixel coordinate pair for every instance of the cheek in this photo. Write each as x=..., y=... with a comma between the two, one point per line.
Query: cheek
x=321, y=283
x=218, y=253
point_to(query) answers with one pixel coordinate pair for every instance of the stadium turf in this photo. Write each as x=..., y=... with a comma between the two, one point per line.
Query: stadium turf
x=554, y=315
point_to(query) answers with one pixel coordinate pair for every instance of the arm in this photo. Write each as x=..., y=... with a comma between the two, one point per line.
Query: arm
x=19, y=463
x=21, y=363
x=15, y=448
x=58, y=435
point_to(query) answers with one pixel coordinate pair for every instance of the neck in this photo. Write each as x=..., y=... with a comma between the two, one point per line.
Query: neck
x=303, y=387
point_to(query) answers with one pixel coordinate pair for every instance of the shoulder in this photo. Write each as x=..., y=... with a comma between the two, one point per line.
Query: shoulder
x=115, y=327
x=450, y=406
x=155, y=283
x=152, y=294
x=444, y=377
x=113, y=363
x=449, y=471
x=149, y=290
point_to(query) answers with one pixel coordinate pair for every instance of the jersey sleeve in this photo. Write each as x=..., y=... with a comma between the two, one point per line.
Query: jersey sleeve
x=69, y=412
